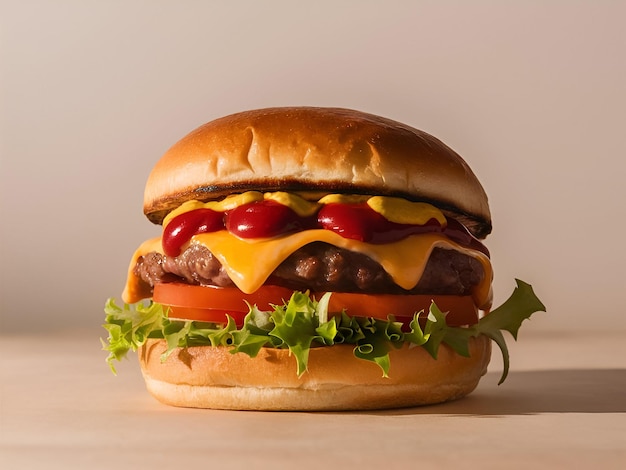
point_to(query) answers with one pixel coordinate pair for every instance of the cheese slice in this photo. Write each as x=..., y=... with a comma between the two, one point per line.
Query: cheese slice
x=249, y=262
x=135, y=289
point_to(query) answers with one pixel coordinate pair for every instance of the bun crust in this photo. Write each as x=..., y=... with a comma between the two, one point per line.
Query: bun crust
x=314, y=151
x=212, y=377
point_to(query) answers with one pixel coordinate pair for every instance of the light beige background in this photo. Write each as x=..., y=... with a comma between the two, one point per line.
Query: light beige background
x=532, y=94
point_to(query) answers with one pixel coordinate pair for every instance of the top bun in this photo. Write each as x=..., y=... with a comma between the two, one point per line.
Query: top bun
x=316, y=151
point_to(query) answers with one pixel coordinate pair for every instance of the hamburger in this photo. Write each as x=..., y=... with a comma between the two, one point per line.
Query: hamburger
x=313, y=259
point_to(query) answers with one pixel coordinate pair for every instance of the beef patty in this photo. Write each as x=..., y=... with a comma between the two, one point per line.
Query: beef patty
x=319, y=267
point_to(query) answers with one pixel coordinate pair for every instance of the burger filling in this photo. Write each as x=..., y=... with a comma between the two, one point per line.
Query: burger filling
x=340, y=243
x=319, y=267
x=353, y=246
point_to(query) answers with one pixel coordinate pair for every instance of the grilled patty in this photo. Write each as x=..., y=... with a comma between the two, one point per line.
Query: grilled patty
x=319, y=267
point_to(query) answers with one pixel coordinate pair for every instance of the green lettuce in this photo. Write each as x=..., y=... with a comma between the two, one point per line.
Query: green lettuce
x=303, y=323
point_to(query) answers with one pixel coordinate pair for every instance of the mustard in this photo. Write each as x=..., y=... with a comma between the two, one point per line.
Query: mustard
x=343, y=199
x=394, y=209
x=299, y=205
x=228, y=203
x=401, y=211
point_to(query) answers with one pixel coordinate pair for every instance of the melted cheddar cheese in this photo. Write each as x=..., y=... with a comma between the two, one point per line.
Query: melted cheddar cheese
x=250, y=262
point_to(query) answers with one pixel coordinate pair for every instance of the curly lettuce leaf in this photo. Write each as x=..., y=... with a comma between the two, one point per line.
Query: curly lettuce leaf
x=297, y=325
x=379, y=336
x=509, y=317
x=129, y=328
x=303, y=323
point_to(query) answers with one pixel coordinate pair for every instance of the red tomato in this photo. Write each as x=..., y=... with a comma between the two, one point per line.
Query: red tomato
x=212, y=304
x=211, y=315
x=462, y=310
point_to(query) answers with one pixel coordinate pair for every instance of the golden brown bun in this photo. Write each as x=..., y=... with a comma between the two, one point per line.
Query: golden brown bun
x=212, y=377
x=314, y=151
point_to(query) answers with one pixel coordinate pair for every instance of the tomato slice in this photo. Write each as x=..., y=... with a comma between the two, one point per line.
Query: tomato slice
x=461, y=309
x=212, y=304
x=210, y=315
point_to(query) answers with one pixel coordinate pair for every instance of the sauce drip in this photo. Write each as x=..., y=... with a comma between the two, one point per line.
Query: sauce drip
x=184, y=226
x=360, y=222
x=268, y=218
x=264, y=219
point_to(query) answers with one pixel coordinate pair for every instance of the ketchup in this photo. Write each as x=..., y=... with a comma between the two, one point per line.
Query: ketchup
x=264, y=219
x=268, y=218
x=457, y=232
x=361, y=222
x=184, y=226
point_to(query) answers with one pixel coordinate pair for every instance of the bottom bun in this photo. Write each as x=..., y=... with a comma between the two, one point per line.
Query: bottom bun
x=212, y=377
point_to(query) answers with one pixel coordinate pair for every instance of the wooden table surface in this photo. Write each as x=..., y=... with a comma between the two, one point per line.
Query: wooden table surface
x=564, y=404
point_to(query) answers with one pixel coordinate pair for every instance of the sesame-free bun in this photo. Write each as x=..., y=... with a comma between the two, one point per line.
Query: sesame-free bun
x=212, y=377
x=316, y=151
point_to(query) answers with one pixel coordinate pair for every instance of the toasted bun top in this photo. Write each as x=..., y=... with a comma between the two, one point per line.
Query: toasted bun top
x=315, y=151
